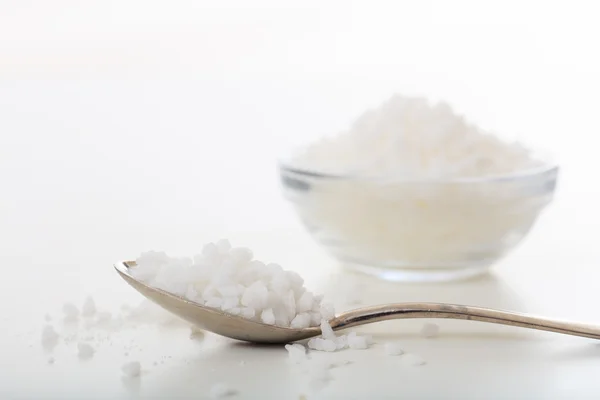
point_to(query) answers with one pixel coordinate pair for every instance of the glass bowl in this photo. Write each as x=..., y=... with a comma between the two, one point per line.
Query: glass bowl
x=418, y=230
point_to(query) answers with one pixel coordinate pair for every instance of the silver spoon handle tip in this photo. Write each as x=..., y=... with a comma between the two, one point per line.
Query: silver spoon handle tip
x=369, y=315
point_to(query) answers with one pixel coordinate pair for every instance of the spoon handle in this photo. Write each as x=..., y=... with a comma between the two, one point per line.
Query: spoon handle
x=386, y=312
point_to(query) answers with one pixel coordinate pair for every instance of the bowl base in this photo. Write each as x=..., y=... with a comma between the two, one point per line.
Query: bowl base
x=432, y=274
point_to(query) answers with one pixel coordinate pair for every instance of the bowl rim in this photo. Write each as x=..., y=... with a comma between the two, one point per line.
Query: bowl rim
x=548, y=167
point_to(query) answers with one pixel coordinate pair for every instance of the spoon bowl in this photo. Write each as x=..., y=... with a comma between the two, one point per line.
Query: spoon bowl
x=236, y=327
x=212, y=319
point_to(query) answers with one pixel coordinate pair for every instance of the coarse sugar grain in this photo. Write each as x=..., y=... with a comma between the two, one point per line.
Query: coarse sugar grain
x=296, y=352
x=49, y=337
x=131, y=369
x=85, y=351
x=430, y=330
x=393, y=349
x=89, y=307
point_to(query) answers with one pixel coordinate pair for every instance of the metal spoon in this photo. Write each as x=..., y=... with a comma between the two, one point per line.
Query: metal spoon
x=239, y=328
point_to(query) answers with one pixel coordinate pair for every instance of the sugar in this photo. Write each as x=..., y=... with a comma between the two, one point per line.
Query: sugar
x=357, y=342
x=131, y=369
x=305, y=302
x=223, y=246
x=220, y=390
x=49, y=337
x=268, y=317
x=103, y=317
x=228, y=279
x=326, y=331
x=51, y=360
x=248, y=312
x=196, y=333
x=409, y=137
x=327, y=311
x=430, y=330
x=89, y=307
x=321, y=344
x=393, y=349
x=296, y=352
x=85, y=351
x=300, y=321
x=71, y=312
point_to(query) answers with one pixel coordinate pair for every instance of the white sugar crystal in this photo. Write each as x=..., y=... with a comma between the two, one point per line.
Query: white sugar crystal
x=326, y=331
x=341, y=342
x=51, y=360
x=131, y=369
x=85, y=351
x=410, y=137
x=393, y=349
x=305, y=302
x=357, y=342
x=430, y=330
x=296, y=352
x=229, y=303
x=248, y=312
x=255, y=296
x=268, y=317
x=191, y=293
x=49, y=337
x=71, y=312
x=220, y=390
x=234, y=311
x=300, y=321
x=210, y=251
x=196, y=333
x=241, y=255
x=315, y=319
x=289, y=303
x=228, y=279
x=104, y=317
x=327, y=311
x=214, y=302
x=223, y=246
x=321, y=344
x=89, y=307
x=229, y=291
x=47, y=318
x=281, y=316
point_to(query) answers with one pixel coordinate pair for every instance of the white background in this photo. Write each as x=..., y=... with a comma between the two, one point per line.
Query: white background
x=135, y=125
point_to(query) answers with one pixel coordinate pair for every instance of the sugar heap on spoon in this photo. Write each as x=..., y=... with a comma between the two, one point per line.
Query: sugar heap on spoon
x=228, y=279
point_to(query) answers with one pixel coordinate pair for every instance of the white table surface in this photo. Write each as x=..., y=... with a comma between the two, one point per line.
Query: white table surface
x=121, y=137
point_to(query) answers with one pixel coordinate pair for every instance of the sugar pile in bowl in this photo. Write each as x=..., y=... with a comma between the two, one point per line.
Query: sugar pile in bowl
x=229, y=279
x=425, y=189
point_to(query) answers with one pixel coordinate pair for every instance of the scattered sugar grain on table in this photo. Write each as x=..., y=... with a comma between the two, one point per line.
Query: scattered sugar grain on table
x=132, y=369
x=296, y=353
x=49, y=337
x=430, y=330
x=71, y=312
x=85, y=351
x=89, y=307
x=393, y=349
